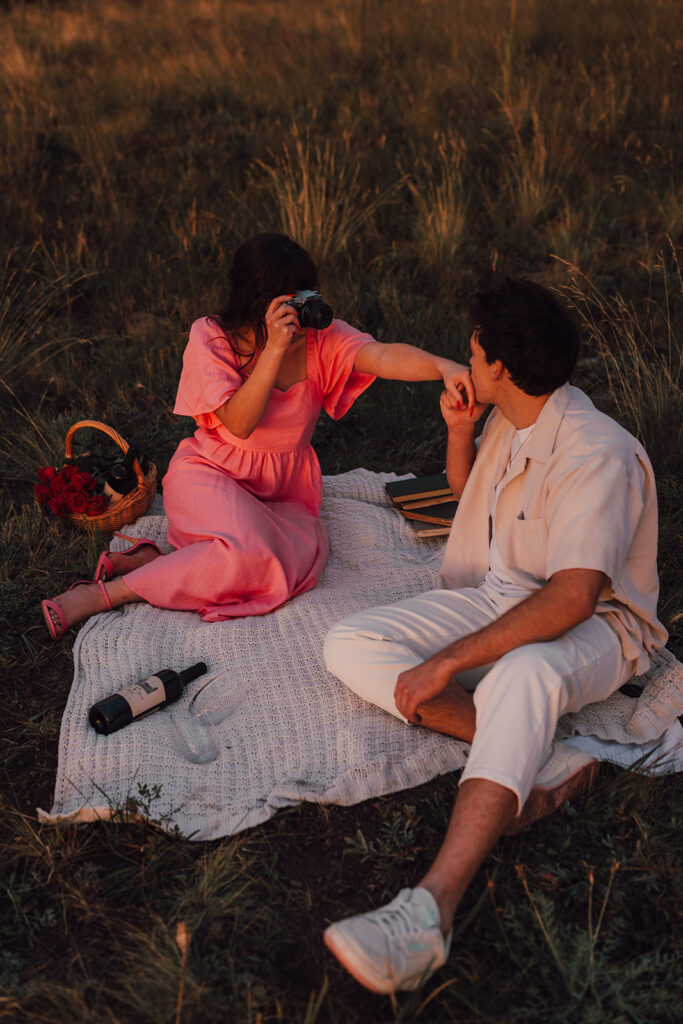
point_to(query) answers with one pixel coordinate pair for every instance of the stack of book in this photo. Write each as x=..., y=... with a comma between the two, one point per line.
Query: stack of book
x=425, y=500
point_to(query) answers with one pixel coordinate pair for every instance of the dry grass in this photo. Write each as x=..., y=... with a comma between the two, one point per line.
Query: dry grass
x=421, y=151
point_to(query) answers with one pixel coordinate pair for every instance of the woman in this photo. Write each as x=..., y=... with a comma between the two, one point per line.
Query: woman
x=243, y=495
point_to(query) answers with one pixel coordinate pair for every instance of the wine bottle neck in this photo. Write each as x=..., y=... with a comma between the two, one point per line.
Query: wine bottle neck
x=193, y=672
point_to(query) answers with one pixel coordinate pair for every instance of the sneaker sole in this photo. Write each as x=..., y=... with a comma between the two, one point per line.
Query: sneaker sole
x=545, y=800
x=347, y=957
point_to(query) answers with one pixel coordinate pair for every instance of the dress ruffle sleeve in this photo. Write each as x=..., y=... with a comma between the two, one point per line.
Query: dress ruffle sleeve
x=210, y=375
x=335, y=349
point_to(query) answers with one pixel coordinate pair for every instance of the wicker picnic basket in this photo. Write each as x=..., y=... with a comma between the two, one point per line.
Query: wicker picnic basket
x=130, y=505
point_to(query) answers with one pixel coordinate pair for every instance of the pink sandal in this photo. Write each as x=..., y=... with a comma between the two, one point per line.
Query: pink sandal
x=55, y=619
x=104, y=570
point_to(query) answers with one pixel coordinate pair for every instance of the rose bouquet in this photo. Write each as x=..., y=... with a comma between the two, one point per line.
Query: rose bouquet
x=97, y=490
x=69, y=491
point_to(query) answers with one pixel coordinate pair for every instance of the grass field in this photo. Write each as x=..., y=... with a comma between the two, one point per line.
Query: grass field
x=420, y=150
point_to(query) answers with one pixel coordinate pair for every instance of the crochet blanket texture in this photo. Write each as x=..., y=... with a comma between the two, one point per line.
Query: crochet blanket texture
x=268, y=726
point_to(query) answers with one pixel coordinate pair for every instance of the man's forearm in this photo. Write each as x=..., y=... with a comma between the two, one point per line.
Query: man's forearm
x=460, y=455
x=566, y=600
x=545, y=615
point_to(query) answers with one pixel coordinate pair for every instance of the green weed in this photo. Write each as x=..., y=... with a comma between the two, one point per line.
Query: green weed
x=421, y=151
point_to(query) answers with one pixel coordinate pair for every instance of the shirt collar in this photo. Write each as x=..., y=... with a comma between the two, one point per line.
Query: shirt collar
x=542, y=441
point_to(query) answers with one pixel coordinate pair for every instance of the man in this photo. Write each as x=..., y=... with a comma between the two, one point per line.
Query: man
x=548, y=603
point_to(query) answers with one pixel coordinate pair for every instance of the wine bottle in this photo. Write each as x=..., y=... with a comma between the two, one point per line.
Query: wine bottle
x=120, y=480
x=140, y=699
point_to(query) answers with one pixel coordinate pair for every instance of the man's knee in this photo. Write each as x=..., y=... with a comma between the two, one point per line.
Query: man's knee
x=526, y=675
x=338, y=648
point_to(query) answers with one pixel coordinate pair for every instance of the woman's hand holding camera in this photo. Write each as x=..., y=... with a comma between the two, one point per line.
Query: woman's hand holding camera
x=243, y=412
x=282, y=324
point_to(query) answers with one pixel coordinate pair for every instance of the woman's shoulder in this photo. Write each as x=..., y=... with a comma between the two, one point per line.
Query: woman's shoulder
x=339, y=337
x=339, y=329
x=208, y=338
x=206, y=331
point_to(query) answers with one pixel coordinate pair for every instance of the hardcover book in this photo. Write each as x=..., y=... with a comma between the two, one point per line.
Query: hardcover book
x=426, y=501
x=418, y=488
x=440, y=515
x=422, y=530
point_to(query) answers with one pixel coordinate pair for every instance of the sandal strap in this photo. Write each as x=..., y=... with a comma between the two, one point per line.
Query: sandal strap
x=105, y=595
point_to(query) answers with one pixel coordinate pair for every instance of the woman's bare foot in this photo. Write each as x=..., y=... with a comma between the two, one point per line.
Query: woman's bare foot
x=84, y=600
x=75, y=604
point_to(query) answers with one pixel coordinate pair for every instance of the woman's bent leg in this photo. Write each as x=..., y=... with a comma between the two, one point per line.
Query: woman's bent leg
x=235, y=553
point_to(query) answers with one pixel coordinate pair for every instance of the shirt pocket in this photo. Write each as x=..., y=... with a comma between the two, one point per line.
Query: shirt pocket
x=525, y=547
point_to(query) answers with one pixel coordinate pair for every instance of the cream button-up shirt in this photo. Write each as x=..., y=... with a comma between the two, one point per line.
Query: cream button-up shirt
x=580, y=496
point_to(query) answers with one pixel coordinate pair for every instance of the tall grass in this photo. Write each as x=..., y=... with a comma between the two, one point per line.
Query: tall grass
x=440, y=199
x=29, y=311
x=317, y=195
x=421, y=151
x=529, y=182
x=642, y=357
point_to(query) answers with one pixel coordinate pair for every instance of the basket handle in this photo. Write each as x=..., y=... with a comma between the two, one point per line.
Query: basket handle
x=113, y=434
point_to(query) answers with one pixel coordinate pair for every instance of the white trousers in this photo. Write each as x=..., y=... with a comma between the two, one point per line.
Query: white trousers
x=518, y=699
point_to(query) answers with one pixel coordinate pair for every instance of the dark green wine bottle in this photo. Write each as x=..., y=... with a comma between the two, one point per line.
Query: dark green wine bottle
x=140, y=699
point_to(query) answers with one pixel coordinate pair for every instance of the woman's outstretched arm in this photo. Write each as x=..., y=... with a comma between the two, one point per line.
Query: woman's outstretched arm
x=399, y=361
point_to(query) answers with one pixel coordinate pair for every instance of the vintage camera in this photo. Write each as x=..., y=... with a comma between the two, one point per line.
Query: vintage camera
x=312, y=311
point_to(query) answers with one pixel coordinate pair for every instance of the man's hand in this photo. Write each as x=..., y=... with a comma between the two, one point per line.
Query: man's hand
x=456, y=412
x=420, y=684
x=567, y=599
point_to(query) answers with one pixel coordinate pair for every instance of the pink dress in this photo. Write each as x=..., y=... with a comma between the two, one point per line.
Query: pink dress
x=244, y=514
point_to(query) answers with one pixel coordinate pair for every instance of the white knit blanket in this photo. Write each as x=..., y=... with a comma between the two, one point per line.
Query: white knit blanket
x=268, y=726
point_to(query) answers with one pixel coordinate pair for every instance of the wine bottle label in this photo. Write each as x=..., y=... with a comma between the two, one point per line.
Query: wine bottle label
x=145, y=695
x=113, y=495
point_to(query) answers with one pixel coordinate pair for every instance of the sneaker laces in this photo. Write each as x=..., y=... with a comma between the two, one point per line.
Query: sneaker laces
x=399, y=919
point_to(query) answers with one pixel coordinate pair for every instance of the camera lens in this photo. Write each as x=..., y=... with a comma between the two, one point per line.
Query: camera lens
x=315, y=313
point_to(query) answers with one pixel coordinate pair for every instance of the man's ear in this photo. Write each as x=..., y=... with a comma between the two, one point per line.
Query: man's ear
x=498, y=371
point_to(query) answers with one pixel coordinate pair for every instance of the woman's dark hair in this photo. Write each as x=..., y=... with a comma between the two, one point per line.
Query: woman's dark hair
x=267, y=265
x=523, y=324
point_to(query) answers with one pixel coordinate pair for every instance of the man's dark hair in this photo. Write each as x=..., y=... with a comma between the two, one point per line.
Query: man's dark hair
x=523, y=324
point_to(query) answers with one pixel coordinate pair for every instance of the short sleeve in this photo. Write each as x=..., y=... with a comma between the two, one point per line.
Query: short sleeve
x=210, y=375
x=592, y=514
x=334, y=352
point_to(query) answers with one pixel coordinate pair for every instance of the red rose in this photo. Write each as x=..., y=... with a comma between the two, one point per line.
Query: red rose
x=77, y=502
x=84, y=480
x=42, y=492
x=46, y=474
x=97, y=505
x=68, y=473
x=78, y=486
x=57, y=505
x=59, y=487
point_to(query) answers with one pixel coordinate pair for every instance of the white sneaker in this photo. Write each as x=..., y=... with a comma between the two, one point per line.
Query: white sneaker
x=395, y=947
x=566, y=772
